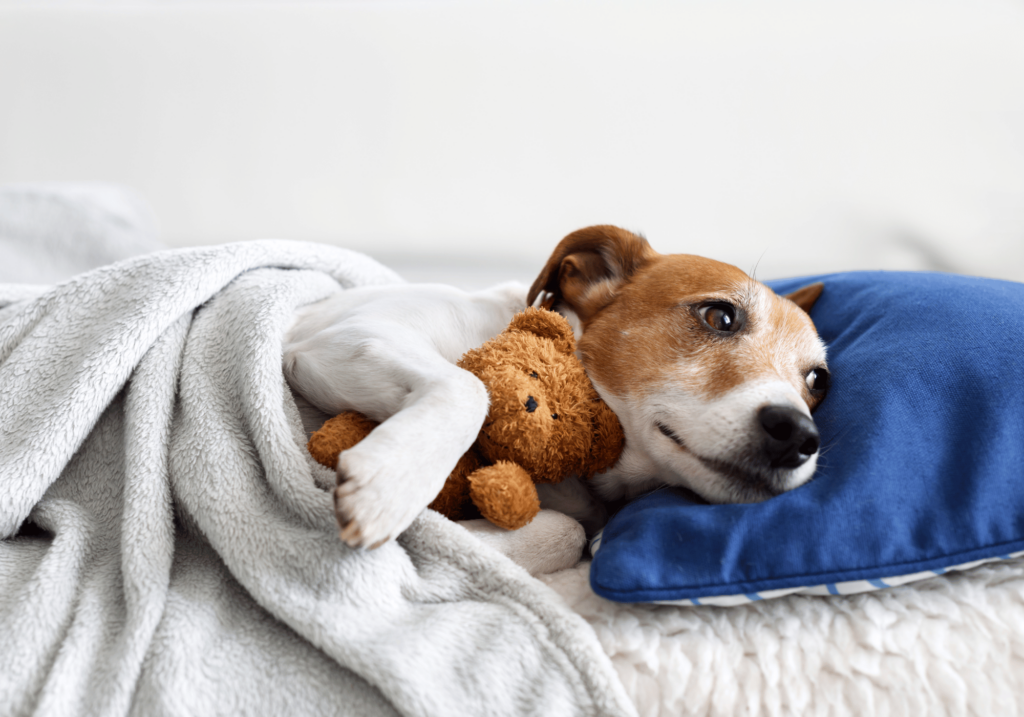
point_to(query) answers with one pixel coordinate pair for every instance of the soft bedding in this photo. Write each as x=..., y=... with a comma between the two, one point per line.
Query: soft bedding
x=950, y=645
x=173, y=629
x=168, y=545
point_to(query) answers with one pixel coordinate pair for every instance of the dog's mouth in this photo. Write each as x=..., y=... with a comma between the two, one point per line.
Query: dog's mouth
x=756, y=484
x=673, y=435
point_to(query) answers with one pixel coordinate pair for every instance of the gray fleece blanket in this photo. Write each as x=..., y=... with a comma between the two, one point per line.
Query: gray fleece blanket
x=168, y=545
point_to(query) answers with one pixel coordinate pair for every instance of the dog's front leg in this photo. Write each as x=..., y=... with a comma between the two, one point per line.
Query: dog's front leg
x=393, y=474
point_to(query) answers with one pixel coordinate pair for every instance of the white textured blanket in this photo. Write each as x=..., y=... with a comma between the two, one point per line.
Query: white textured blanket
x=167, y=548
x=951, y=645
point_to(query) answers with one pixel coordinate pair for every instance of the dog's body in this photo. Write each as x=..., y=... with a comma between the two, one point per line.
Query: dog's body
x=712, y=376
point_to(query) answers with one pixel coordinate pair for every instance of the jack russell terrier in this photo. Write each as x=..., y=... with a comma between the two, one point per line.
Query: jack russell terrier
x=713, y=376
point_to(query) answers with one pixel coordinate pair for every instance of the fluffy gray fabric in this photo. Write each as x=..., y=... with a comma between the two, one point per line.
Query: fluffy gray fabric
x=167, y=548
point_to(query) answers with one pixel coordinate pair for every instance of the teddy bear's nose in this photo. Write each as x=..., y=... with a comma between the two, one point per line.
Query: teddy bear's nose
x=531, y=404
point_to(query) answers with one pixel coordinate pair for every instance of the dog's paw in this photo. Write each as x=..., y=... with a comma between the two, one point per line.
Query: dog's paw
x=550, y=542
x=374, y=502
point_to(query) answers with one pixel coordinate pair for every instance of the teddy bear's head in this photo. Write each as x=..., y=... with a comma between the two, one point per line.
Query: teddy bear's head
x=545, y=414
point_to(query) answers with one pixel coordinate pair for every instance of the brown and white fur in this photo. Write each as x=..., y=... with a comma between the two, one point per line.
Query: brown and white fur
x=712, y=375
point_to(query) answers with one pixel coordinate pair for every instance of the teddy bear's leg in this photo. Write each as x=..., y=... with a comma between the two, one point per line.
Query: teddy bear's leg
x=453, y=502
x=505, y=494
x=552, y=541
x=339, y=434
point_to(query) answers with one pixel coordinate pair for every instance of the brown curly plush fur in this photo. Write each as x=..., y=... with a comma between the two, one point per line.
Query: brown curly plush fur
x=546, y=421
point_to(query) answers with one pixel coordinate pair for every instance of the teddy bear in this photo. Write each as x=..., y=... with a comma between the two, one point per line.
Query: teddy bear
x=545, y=422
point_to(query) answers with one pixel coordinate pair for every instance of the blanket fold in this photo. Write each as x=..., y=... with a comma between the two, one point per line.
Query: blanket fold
x=166, y=546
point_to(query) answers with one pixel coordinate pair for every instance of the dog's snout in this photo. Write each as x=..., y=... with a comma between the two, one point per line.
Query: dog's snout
x=792, y=437
x=531, y=404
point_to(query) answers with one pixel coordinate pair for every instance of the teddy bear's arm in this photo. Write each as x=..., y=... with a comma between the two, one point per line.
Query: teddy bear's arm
x=347, y=429
x=505, y=494
x=338, y=434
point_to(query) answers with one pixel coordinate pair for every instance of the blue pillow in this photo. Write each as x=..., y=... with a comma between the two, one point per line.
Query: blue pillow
x=922, y=468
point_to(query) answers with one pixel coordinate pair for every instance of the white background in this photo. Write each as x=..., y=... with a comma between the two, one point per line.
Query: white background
x=461, y=140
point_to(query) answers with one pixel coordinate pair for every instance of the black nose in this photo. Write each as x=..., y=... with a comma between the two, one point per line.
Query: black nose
x=791, y=436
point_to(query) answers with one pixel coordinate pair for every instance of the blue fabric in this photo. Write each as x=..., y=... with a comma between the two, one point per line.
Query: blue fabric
x=922, y=465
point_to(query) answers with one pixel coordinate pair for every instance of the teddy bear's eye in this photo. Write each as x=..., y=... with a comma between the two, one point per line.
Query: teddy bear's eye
x=533, y=374
x=554, y=416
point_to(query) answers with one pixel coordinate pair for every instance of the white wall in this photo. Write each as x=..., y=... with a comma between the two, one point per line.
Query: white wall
x=808, y=136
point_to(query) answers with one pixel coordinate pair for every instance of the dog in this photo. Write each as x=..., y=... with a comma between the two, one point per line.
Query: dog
x=713, y=376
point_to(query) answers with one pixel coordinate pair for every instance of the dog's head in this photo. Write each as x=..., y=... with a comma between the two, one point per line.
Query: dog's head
x=713, y=375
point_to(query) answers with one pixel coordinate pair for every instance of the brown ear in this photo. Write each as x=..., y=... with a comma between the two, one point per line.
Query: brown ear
x=608, y=441
x=546, y=324
x=806, y=296
x=587, y=268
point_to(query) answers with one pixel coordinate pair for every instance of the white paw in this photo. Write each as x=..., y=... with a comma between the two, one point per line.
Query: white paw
x=376, y=500
x=550, y=542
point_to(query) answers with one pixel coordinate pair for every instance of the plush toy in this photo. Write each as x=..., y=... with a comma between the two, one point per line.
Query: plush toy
x=545, y=422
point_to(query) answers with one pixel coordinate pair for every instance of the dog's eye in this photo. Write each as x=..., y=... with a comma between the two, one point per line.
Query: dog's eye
x=534, y=374
x=817, y=379
x=720, y=317
x=554, y=416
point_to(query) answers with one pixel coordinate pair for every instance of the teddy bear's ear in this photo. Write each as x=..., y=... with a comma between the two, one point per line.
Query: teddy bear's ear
x=608, y=440
x=546, y=324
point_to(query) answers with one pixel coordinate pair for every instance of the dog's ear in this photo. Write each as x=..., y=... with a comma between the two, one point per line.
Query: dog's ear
x=805, y=297
x=587, y=268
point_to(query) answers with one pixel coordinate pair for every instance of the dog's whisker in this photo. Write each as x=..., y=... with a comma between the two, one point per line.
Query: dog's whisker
x=753, y=272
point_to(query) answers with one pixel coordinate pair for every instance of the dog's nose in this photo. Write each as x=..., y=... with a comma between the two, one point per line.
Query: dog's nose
x=792, y=437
